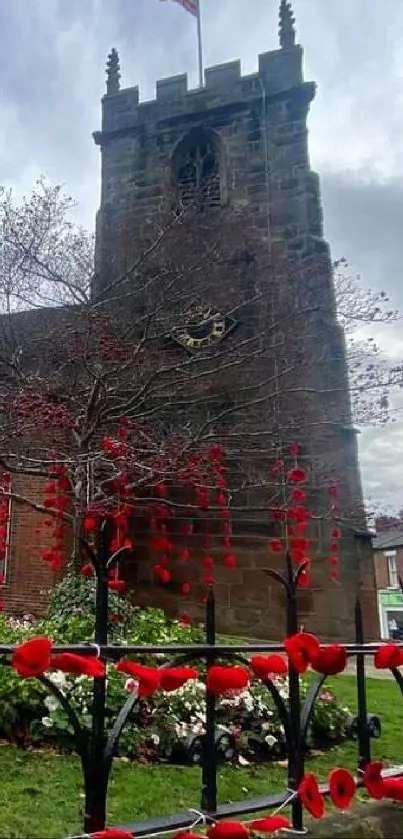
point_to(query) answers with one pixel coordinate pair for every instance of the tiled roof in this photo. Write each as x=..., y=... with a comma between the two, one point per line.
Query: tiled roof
x=390, y=539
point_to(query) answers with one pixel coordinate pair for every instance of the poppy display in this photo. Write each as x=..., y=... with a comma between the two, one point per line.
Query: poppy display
x=172, y=678
x=301, y=649
x=264, y=666
x=147, y=677
x=80, y=665
x=32, y=658
x=222, y=679
x=393, y=788
x=342, y=788
x=311, y=796
x=388, y=656
x=270, y=824
x=330, y=660
x=373, y=781
x=228, y=830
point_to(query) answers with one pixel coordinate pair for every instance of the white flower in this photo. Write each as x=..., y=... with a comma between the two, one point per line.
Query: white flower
x=51, y=704
x=270, y=740
x=47, y=722
x=156, y=740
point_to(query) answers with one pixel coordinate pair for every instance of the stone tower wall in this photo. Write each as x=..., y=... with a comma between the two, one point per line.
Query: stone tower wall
x=261, y=122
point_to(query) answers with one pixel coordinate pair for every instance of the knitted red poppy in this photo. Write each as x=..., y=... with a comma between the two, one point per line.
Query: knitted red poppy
x=270, y=824
x=330, y=660
x=148, y=677
x=221, y=679
x=311, y=796
x=342, y=788
x=264, y=665
x=388, y=656
x=78, y=664
x=32, y=658
x=373, y=781
x=228, y=830
x=393, y=788
x=172, y=678
x=301, y=649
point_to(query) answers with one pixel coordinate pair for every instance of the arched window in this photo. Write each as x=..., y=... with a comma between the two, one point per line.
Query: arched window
x=198, y=170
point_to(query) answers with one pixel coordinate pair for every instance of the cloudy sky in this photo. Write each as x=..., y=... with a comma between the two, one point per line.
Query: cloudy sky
x=52, y=60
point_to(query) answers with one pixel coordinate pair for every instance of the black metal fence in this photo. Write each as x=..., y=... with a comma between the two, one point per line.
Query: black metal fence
x=97, y=747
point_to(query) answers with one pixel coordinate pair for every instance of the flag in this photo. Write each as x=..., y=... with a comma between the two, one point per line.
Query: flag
x=191, y=6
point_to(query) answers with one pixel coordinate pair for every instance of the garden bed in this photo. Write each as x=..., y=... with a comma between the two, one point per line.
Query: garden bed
x=165, y=727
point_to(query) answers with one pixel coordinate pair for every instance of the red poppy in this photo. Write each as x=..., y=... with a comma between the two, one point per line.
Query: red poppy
x=388, y=656
x=112, y=833
x=297, y=475
x=372, y=779
x=78, y=664
x=301, y=649
x=336, y=533
x=230, y=561
x=185, y=554
x=148, y=677
x=186, y=588
x=117, y=585
x=87, y=570
x=32, y=658
x=330, y=660
x=311, y=796
x=270, y=824
x=172, y=678
x=264, y=665
x=228, y=830
x=221, y=678
x=276, y=546
x=186, y=834
x=298, y=495
x=185, y=619
x=342, y=788
x=393, y=788
x=300, y=543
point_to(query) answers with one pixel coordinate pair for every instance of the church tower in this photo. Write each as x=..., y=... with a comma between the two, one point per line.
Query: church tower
x=241, y=142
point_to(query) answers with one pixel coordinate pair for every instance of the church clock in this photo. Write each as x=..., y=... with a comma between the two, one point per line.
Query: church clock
x=203, y=328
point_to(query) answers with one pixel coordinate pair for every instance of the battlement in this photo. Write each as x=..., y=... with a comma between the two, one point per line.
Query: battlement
x=278, y=71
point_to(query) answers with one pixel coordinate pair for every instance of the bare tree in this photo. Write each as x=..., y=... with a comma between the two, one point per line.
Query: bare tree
x=132, y=384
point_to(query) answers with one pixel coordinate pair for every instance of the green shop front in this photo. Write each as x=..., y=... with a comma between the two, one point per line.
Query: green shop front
x=390, y=605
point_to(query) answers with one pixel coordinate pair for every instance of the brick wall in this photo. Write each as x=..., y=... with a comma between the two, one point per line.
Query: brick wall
x=28, y=577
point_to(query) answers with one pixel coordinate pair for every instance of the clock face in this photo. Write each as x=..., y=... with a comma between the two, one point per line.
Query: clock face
x=204, y=327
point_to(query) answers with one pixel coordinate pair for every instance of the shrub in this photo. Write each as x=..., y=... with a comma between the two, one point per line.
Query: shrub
x=165, y=727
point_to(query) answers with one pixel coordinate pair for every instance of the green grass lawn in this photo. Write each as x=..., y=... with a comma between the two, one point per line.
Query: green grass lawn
x=41, y=795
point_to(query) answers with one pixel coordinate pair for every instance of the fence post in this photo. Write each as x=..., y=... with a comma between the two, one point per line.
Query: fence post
x=96, y=782
x=363, y=737
x=295, y=754
x=209, y=765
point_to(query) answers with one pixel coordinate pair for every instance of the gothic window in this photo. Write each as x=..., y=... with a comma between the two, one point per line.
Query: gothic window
x=198, y=170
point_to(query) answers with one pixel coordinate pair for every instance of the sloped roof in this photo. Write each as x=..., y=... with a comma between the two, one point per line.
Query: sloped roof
x=388, y=540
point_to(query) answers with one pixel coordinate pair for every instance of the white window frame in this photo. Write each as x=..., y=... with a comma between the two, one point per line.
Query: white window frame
x=393, y=579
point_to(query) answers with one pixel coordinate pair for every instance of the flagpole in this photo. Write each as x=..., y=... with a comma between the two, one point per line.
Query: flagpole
x=200, y=45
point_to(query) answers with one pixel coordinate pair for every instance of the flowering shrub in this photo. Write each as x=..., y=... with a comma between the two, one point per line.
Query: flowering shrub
x=169, y=726
x=165, y=726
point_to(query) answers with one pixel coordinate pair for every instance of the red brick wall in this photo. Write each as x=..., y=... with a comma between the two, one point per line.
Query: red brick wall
x=28, y=576
x=248, y=602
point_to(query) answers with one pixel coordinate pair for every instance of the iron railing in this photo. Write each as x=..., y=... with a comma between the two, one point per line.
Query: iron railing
x=97, y=747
